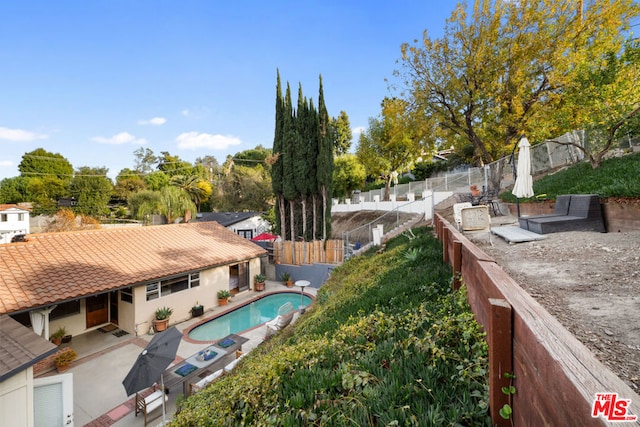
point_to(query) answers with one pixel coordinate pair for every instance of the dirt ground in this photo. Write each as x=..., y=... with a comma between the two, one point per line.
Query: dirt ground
x=589, y=281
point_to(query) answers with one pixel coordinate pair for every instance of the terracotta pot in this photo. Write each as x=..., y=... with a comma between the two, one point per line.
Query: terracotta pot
x=160, y=325
x=56, y=341
x=259, y=286
x=62, y=368
x=222, y=301
x=289, y=283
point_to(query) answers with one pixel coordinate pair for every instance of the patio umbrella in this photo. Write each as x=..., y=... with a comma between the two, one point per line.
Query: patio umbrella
x=523, y=186
x=152, y=362
x=264, y=237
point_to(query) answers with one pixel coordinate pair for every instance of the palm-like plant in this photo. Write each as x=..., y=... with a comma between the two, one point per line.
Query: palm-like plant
x=170, y=201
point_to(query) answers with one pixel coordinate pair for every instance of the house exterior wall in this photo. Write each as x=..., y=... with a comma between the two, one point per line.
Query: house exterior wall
x=256, y=224
x=13, y=224
x=16, y=399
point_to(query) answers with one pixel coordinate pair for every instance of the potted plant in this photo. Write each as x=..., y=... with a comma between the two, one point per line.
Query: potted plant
x=197, y=310
x=57, y=336
x=223, y=296
x=258, y=282
x=475, y=191
x=161, y=320
x=64, y=358
x=286, y=279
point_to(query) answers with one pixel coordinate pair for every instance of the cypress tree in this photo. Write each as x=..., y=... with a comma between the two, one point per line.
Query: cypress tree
x=324, y=163
x=277, y=167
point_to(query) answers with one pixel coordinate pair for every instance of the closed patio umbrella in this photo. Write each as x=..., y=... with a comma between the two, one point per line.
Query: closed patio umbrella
x=523, y=186
x=152, y=362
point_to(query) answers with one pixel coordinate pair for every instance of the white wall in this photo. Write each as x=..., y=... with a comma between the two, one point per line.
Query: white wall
x=424, y=206
x=13, y=225
x=16, y=399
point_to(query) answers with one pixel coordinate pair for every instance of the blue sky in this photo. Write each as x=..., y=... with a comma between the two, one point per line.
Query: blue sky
x=96, y=80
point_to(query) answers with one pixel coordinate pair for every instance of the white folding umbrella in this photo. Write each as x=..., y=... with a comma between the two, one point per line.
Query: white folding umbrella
x=523, y=186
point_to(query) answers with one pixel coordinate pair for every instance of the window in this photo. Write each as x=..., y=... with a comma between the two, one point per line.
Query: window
x=20, y=217
x=247, y=234
x=65, y=309
x=126, y=295
x=3, y=217
x=173, y=285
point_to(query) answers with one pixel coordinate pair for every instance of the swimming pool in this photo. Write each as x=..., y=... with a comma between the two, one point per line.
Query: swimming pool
x=246, y=316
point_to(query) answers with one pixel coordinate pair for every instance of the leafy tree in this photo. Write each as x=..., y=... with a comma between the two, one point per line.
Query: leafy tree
x=197, y=188
x=252, y=157
x=341, y=134
x=92, y=190
x=171, y=202
x=391, y=143
x=173, y=165
x=44, y=192
x=144, y=203
x=156, y=180
x=145, y=160
x=67, y=220
x=603, y=98
x=14, y=190
x=127, y=183
x=348, y=175
x=40, y=162
x=244, y=189
x=503, y=68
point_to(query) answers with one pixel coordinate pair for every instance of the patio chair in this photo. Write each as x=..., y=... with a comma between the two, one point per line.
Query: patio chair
x=457, y=213
x=150, y=403
x=284, y=317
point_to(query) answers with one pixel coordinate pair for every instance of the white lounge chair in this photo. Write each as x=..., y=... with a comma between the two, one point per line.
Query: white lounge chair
x=147, y=404
x=284, y=317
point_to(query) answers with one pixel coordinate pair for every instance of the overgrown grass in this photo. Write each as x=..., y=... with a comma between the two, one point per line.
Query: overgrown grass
x=616, y=177
x=386, y=343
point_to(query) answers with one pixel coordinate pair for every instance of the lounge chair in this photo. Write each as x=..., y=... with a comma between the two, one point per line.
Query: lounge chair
x=147, y=404
x=285, y=314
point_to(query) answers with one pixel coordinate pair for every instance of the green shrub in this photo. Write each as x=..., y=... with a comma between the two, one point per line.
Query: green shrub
x=385, y=343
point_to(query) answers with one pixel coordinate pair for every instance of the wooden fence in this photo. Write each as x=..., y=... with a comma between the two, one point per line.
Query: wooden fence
x=556, y=376
x=298, y=253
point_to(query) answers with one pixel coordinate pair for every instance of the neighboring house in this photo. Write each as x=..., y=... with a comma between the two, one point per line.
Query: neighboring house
x=245, y=224
x=14, y=221
x=20, y=349
x=83, y=280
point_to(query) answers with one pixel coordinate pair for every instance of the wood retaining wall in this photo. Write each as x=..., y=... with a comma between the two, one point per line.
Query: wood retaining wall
x=557, y=377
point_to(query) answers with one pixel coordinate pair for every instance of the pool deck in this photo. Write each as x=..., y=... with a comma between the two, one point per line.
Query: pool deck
x=104, y=360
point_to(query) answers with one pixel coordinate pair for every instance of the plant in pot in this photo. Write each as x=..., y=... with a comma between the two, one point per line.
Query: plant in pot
x=57, y=336
x=197, y=309
x=64, y=358
x=287, y=279
x=258, y=282
x=161, y=320
x=223, y=296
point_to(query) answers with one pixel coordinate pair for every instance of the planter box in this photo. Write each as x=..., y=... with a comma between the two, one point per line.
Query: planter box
x=197, y=311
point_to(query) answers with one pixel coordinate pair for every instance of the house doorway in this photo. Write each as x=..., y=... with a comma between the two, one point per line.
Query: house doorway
x=113, y=307
x=97, y=310
x=239, y=277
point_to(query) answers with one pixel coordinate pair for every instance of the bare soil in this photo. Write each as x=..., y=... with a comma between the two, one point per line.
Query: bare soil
x=589, y=281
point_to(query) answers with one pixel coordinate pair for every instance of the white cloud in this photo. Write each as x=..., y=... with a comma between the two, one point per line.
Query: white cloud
x=356, y=131
x=195, y=140
x=20, y=135
x=156, y=121
x=186, y=113
x=7, y=163
x=119, y=139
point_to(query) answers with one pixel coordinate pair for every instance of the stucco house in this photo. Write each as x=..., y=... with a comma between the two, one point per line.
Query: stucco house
x=20, y=349
x=83, y=280
x=245, y=224
x=14, y=221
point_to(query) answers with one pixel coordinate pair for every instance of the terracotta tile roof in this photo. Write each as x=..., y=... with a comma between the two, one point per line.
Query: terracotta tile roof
x=55, y=267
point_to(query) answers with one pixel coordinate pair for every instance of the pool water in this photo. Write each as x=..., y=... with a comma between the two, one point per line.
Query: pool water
x=246, y=317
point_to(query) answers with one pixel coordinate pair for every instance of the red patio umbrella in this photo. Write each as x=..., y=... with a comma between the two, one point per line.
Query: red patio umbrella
x=264, y=237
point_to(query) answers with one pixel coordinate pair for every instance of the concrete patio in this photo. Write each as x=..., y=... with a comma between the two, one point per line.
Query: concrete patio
x=104, y=359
